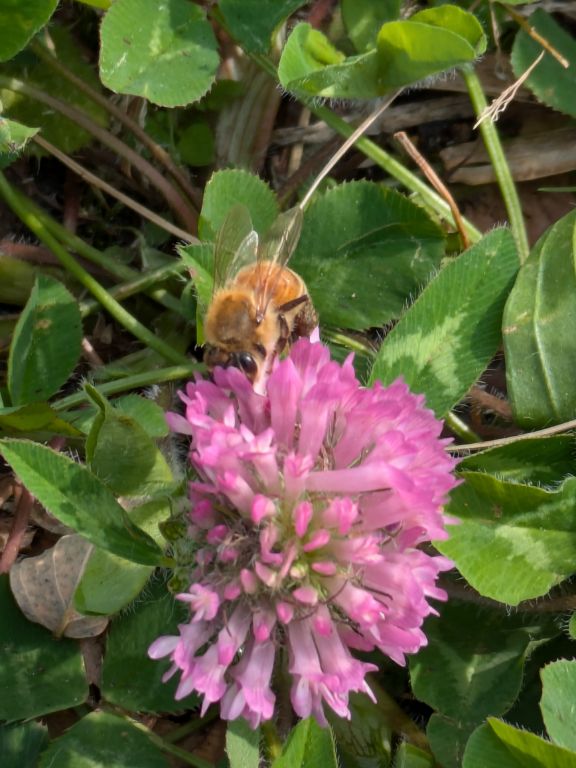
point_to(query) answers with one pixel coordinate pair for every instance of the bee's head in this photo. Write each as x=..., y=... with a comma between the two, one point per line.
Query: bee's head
x=216, y=356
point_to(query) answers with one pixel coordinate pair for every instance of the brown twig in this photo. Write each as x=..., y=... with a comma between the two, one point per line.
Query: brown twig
x=536, y=36
x=155, y=149
x=6, y=489
x=433, y=178
x=545, y=604
x=181, y=207
x=309, y=167
x=24, y=501
x=96, y=181
x=566, y=426
x=90, y=354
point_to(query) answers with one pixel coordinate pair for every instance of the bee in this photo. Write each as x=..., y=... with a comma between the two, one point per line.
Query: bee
x=259, y=305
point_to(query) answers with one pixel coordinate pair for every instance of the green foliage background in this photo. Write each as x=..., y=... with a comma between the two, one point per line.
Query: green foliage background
x=494, y=686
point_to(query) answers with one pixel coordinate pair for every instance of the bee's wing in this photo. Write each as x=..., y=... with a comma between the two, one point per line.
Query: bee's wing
x=236, y=245
x=277, y=248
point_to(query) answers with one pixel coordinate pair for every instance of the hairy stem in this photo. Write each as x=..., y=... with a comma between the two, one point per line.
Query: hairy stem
x=460, y=428
x=566, y=426
x=128, y=383
x=138, y=285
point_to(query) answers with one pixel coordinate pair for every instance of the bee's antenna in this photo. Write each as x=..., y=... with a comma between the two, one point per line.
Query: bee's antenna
x=364, y=125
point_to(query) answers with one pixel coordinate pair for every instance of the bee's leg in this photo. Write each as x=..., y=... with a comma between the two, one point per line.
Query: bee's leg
x=305, y=321
x=284, y=334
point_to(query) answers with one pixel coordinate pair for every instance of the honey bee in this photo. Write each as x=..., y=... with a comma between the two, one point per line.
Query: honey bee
x=259, y=305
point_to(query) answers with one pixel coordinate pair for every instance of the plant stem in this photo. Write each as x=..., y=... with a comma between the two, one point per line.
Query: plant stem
x=138, y=285
x=137, y=381
x=103, y=4
x=85, y=278
x=499, y=163
x=272, y=740
x=396, y=718
x=82, y=248
x=165, y=746
x=460, y=428
x=380, y=157
x=566, y=426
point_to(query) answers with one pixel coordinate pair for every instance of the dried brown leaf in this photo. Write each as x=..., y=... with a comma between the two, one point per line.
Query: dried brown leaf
x=44, y=587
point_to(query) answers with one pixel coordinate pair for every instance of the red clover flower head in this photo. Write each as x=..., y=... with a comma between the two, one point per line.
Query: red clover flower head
x=308, y=509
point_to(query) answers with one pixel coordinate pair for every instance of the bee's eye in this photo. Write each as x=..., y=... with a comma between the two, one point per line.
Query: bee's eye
x=246, y=362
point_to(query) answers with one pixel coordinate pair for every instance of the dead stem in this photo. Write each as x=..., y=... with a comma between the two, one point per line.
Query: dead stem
x=403, y=139
x=96, y=181
x=535, y=35
x=23, y=501
x=159, y=153
x=179, y=205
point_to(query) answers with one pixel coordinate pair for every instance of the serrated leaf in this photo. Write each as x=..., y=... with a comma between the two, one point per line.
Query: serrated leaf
x=252, y=22
x=103, y=739
x=308, y=746
x=365, y=739
x=77, y=498
x=448, y=739
x=122, y=454
x=129, y=678
x=20, y=745
x=544, y=460
x=557, y=703
x=20, y=21
x=242, y=744
x=409, y=756
x=228, y=187
x=363, y=251
x=13, y=139
x=550, y=82
x=529, y=532
x=471, y=668
x=429, y=42
x=44, y=587
x=499, y=745
x=56, y=128
x=363, y=19
x=311, y=66
x=17, y=277
x=46, y=343
x=38, y=673
x=472, y=665
x=540, y=354
x=148, y=414
x=165, y=52
x=109, y=582
x=36, y=417
x=445, y=340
